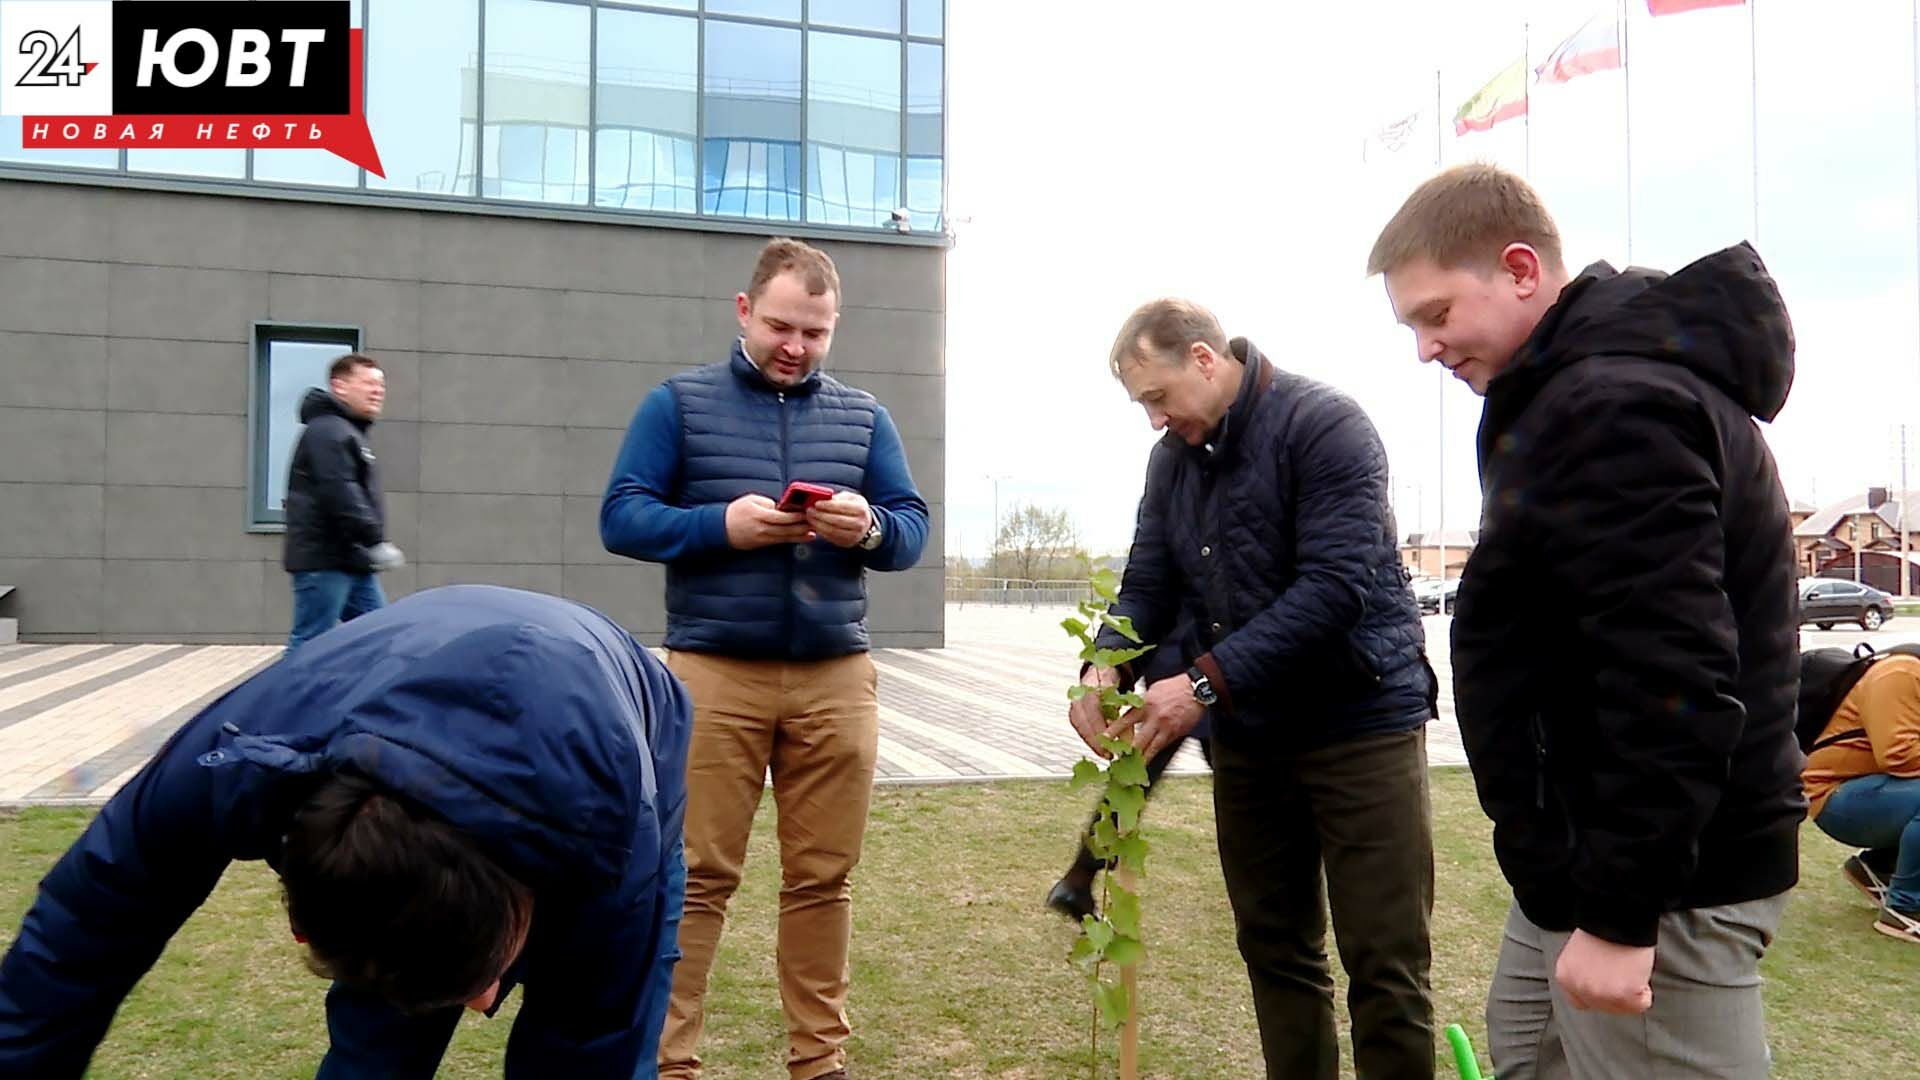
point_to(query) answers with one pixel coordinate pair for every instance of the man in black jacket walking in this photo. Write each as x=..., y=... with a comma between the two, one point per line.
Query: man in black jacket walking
x=1625, y=642
x=336, y=523
x=1264, y=527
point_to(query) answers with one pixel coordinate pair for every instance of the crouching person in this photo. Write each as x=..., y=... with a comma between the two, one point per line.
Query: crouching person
x=472, y=789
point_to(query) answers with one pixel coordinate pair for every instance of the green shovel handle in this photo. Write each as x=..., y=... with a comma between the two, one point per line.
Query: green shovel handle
x=1463, y=1056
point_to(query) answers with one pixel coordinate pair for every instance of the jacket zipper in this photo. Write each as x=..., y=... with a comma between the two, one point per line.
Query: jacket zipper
x=792, y=549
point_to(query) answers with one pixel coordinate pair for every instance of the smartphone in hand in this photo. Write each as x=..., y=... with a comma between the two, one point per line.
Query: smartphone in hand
x=799, y=496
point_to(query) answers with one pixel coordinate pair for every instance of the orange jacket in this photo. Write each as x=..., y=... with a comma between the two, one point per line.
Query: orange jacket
x=1886, y=703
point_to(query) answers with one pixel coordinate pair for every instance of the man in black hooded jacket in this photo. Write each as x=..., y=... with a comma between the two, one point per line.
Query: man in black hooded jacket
x=1625, y=641
x=336, y=520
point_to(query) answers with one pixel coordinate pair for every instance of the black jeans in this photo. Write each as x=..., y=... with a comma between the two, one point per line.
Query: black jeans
x=1356, y=816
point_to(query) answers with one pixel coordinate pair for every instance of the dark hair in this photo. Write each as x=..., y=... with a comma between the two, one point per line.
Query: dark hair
x=395, y=901
x=344, y=367
x=782, y=256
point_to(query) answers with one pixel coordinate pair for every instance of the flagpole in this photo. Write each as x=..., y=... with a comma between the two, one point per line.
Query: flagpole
x=1440, y=462
x=1626, y=120
x=1440, y=381
x=1753, y=98
x=1526, y=99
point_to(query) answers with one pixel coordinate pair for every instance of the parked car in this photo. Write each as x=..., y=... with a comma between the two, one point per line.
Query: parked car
x=1828, y=601
x=1436, y=596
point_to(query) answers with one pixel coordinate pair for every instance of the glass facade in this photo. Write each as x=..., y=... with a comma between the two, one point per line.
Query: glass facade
x=830, y=113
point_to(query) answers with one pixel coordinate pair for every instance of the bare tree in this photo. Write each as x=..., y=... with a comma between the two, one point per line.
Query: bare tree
x=1036, y=543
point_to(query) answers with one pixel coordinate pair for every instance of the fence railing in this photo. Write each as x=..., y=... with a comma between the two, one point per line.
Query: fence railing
x=1016, y=591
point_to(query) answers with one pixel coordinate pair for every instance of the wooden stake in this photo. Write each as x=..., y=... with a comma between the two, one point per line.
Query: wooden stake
x=1130, y=1032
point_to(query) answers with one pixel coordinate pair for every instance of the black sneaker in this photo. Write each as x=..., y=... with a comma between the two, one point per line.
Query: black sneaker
x=1862, y=877
x=1070, y=898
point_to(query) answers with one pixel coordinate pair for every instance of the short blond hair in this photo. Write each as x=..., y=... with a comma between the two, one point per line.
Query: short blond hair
x=1164, y=329
x=1465, y=217
x=811, y=265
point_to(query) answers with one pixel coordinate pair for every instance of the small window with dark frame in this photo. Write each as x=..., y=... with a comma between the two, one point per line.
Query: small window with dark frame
x=288, y=360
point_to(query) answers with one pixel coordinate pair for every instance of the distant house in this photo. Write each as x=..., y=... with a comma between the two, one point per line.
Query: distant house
x=1858, y=538
x=1420, y=553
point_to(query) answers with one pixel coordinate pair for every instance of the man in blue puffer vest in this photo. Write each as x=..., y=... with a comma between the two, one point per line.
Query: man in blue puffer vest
x=766, y=624
x=471, y=789
x=1265, y=524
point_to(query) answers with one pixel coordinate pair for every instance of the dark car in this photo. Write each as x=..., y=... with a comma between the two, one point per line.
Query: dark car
x=1824, y=603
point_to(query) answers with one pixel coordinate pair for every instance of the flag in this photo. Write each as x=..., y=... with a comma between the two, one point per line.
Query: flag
x=1593, y=47
x=1391, y=138
x=1676, y=7
x=1503, y=98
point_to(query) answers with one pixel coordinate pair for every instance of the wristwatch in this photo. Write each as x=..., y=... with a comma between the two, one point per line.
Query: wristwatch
x=873, y=537
x=1203, y=691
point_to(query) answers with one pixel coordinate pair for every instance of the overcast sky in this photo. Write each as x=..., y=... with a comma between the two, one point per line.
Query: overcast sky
x=1102, y=154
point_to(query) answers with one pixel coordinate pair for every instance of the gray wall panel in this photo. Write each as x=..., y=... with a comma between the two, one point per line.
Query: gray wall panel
x=516, y=353
x=53, y=371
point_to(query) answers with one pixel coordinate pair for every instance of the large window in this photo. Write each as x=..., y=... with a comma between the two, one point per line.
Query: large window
x=287, y=362
x=537, y=86
x=853, y=129
x=829, y=112
x=926, y=135
x=646, y=110
x=751, y=165
x=423, y=93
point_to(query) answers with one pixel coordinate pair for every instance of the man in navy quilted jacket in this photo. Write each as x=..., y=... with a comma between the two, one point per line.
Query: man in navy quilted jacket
x=1264, y=524
x=472, y=789
x=766, y=625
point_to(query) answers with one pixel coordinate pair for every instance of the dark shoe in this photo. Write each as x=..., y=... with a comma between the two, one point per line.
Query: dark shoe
x=1903, y=925
x=1071, y=898
x=1862, y=877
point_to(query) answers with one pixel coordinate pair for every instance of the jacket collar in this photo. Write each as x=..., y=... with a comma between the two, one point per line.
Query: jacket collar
x=1220, y=446
x=747, y=372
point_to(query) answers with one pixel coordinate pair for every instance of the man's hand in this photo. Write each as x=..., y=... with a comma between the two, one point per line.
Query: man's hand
x=1597, y=974
x=386, y=556
x=1084, y=714
x=752, y=522
x=842, y=520
x=1170, y=713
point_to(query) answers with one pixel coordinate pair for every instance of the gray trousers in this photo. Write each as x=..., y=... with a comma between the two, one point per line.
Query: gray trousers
x=1706, y=1020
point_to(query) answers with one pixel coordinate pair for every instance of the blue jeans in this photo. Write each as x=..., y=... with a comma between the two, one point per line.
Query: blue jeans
x=323, y=599
x=1881, y=812
x=660, y=984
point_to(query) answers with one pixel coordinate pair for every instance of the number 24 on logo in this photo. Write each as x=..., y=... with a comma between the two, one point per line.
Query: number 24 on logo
x=54, y=63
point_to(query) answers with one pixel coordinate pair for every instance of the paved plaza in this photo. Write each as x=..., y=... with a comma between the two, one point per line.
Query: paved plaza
x=76, y=721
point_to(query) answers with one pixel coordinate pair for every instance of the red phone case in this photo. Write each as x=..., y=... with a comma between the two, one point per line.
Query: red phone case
x=800, y=495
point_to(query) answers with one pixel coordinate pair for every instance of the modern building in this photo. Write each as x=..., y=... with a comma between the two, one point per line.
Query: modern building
x=574, y=193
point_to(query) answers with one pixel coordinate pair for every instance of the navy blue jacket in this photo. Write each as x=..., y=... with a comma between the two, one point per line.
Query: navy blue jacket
x=1276, y=543
x=708, y=436
x=535, y=725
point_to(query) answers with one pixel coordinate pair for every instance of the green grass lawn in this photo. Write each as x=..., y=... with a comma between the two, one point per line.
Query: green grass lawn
x=957, y=970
